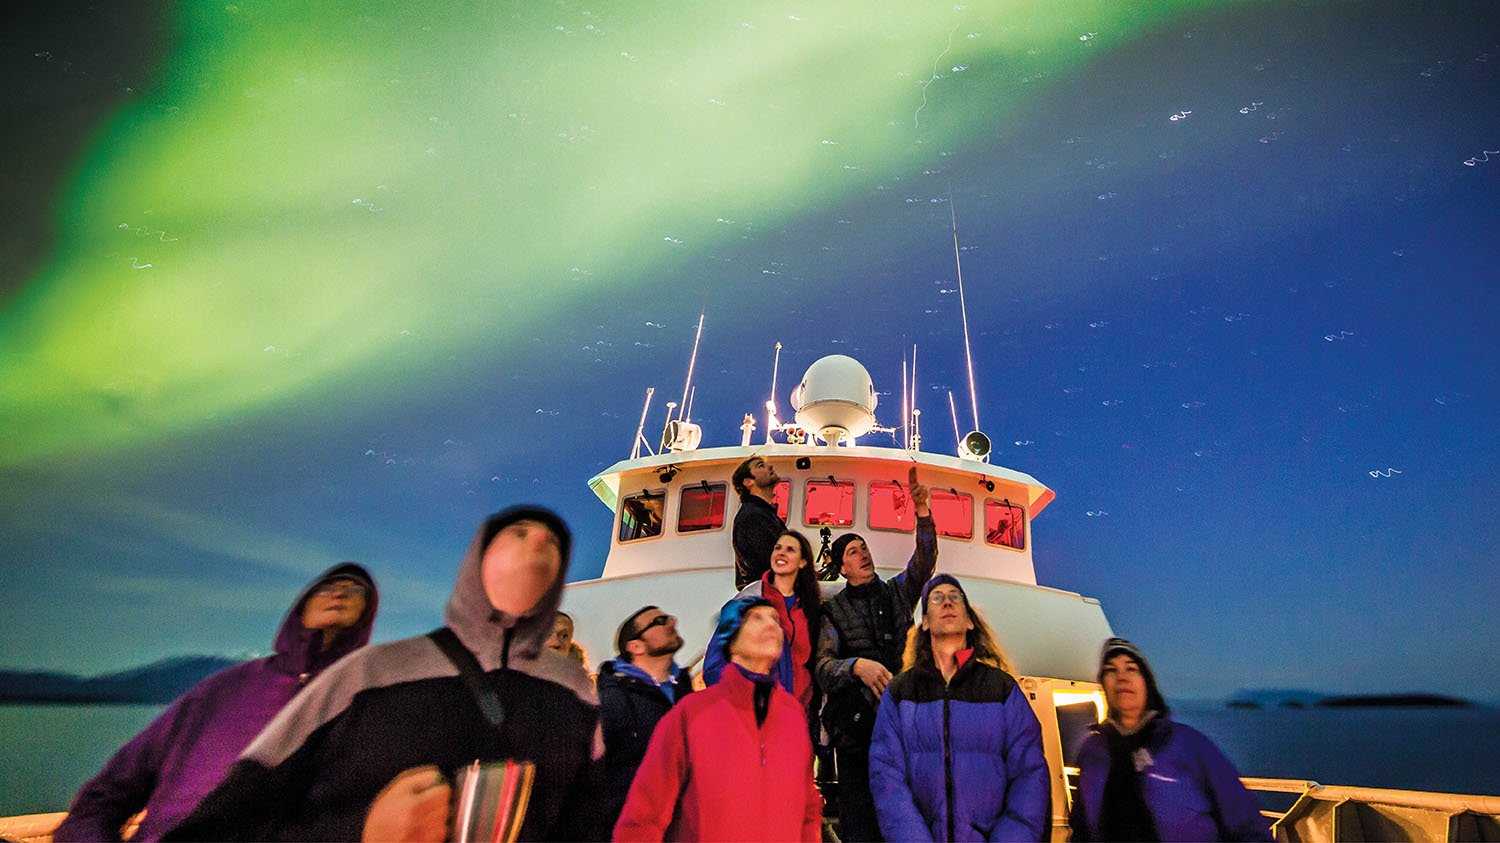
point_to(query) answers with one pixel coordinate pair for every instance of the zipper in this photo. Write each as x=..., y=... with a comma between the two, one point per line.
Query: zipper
x=948, y=763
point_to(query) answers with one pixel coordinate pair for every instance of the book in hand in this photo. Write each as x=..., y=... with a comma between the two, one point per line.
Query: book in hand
x=490, y=801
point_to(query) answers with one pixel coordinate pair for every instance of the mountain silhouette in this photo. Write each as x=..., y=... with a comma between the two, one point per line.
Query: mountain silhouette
x=158, y=682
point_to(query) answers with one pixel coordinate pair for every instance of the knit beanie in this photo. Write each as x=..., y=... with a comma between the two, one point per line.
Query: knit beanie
x=841, y=544
x=1119, y=646
x=942, y=579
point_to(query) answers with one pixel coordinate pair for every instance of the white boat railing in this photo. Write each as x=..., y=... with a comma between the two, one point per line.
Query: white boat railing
x=1343, y=812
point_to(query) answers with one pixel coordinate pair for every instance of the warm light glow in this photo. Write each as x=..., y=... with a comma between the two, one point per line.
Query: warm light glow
x=1062, y=698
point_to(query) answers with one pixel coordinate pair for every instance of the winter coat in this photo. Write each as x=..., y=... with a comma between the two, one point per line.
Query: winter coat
x=959, y=761
x=1190, y=789
x=313, y=773
x=187, y=750
x=712, y=774
x=629, y=709
x=757, y=526
x=868, y=621
x=794, y=669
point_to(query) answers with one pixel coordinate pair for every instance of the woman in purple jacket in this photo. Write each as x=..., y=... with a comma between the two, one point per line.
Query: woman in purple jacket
x=957, y=752
x=1144, y=777
x=187, y=750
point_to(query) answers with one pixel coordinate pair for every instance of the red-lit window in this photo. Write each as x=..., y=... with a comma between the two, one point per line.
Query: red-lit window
x=702, y=507
x=891, y=507
x=783, y=498
x=1004, y=524
x=828, y=503
x=953, y=514
x=640, y=515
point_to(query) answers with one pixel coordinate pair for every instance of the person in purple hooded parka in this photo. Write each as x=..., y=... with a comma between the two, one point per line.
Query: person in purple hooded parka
x=186, y=751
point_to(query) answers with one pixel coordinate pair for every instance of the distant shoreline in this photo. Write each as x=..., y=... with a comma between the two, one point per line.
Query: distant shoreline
x=1253, y=701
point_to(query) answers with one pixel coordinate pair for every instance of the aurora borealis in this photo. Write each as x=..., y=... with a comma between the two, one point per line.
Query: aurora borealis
x=332, y=282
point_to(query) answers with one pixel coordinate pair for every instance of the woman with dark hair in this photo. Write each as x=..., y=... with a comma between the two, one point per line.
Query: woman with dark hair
x=791, y=587
x=1144, y=777
x=957, y=752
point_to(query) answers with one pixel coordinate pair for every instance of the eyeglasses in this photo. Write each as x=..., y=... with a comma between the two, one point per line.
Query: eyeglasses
x=938, y=598
x=337, y=587
x=659, y=620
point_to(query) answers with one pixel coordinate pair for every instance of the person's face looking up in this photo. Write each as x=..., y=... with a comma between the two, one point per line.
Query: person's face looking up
x=786, y=556
x=520, y=565
x=562, y=633
x=335, y=605
x=857, y=566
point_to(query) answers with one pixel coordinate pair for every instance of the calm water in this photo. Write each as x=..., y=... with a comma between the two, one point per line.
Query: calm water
x=49, y=750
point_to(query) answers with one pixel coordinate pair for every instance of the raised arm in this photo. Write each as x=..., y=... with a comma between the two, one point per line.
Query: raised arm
x=924, y=557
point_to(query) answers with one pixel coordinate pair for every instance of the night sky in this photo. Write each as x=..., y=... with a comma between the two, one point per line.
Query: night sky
x=282, y=286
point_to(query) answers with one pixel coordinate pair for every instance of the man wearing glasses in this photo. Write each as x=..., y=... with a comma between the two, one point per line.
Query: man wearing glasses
x=636, y=689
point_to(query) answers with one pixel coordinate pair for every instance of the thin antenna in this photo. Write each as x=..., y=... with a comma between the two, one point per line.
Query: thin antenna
x=687, y=415
x=640, y=429
x=917, y=428
x=692, y=361
x=771, y=403
x=953, y=413
x=905, y=407
x=963, y=309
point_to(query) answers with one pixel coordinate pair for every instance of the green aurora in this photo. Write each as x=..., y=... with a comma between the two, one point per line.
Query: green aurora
x=306, y=200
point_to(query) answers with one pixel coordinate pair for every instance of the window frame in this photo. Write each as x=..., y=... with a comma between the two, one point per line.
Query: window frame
x=807, y=483
x=620, y=517
x=1025, y=525
x=702, y=485
x=870, y=508
x=956, y=493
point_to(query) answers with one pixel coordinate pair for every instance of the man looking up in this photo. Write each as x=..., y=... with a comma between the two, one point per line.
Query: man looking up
x=636, y=689
x=859, y=647
x=756, y=525
x=187, y=750
x=364, y=751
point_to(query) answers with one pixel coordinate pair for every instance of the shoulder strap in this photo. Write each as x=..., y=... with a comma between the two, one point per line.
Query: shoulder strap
x=471, y=674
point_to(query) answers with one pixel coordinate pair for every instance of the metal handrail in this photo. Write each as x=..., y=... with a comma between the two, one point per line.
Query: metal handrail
x=1451, y=804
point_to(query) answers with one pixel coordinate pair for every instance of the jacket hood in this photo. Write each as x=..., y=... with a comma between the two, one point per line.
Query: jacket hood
x=479, y=625
x=299, y=650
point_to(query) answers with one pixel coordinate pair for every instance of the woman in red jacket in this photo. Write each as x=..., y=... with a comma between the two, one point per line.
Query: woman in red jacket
x=732, y=762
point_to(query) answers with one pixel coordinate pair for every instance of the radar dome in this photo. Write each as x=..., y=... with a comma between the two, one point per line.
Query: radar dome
x=836, y=399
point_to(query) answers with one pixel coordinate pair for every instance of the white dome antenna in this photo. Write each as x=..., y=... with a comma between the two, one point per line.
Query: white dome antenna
x=836, y=399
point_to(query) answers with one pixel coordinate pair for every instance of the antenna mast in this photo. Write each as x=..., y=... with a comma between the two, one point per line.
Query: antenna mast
x=963, y=309
x=640, y=429
x=953, y=414
x=693, y=361
x=905, y=407
x=916, y=438
x=771, y=403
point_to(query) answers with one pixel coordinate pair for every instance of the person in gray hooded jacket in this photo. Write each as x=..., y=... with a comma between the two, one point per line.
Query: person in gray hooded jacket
x=364, y=751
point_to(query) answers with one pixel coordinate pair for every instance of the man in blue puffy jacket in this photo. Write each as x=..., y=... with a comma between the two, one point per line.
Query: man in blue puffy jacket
x=957, y=753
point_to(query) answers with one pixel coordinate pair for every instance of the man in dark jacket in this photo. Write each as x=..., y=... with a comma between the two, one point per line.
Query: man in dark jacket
x=363, y=752
x=636, y=689
x=859, y=648
x=757, y=525
x=187, y=750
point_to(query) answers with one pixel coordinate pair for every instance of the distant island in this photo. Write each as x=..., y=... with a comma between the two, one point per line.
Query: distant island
x=1298, y=698
x=155, y=683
